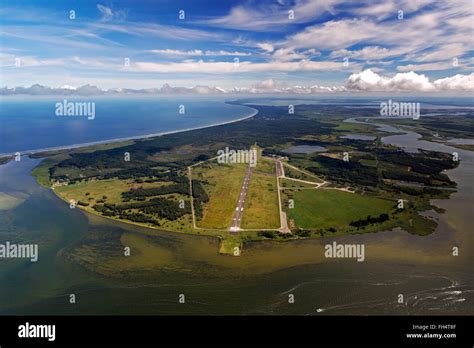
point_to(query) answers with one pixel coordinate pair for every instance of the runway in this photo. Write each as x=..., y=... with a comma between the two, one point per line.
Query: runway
x=239, y=210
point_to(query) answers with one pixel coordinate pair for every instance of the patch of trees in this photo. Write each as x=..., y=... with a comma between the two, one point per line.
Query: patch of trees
x=405, y=176
x=412, y=191
x=460, y=127
x=423, y=163
x=137, y=217
x=416, y=191
x=303, y=233
x=267, y=234
x=131, y=173
x=415, y=177
x=182, y=188
x=370, y=220
x=164, y=208
x=341, y=171
x=199, y=197
x=201, y=158
x=167, y=209
x=113, y=158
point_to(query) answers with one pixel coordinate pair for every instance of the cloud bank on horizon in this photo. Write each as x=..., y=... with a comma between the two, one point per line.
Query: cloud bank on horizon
x=284, y=46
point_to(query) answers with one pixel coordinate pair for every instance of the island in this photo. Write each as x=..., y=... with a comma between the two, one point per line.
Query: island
x=315, y=175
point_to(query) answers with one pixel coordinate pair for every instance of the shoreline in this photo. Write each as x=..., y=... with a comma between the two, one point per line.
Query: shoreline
x=119, y=140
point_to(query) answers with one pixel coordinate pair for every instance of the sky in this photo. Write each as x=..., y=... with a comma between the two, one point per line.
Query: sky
x=297, y=46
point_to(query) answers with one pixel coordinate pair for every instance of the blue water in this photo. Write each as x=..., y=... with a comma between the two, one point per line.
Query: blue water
x=32, y=124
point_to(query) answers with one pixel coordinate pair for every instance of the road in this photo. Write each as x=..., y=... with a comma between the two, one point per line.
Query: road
x=280, y=173
x=239, y=210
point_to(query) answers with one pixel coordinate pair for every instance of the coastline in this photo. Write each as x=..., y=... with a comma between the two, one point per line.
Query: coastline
x=137, y=137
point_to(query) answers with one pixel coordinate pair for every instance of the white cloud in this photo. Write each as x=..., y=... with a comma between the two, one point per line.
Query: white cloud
x=197, y=53
x=427, y=66
x=456, y=83
x=286, y=55
x=266, y=46
x=333, y=35
x=263, y=87
x=155, y=30
x=380, y=10
x=389, y=8
x=368, y=52
x=440, y=32
x=270, y=16
x=201, y=66
x=105, y=11
x=365, y=81
x=368, y=80
x=270, y=86
x=108, y=14
x=442, y=52
x=13, y=61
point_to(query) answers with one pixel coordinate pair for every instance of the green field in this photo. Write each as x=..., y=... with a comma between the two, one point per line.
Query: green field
x=292, y=184
x=261, y=208
x=112, y=189
x=224, y=182
x=265, y=165
x=300, y=174
x=326, y=208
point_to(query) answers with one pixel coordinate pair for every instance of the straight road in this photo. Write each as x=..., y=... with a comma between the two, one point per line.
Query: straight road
x=239, y=210
x=280, y=173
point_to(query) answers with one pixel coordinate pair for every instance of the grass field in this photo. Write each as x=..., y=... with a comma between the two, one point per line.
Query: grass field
x=302, y=175
x=224, y=182
x=287, y=183
x=112, y=189
x=265, y=165
x=261, y=208
x=324, y=208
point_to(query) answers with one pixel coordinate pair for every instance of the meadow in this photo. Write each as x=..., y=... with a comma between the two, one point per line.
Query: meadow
x=261, y=206
x=222, y=184
x=330, y=208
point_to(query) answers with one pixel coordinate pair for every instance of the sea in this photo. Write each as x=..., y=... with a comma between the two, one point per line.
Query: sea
x=33, y=123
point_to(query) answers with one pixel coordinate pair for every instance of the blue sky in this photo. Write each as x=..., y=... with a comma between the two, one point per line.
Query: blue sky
x=264, y=45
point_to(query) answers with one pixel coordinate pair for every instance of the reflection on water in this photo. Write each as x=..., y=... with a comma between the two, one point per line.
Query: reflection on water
x=421, y=268
x=460, y=141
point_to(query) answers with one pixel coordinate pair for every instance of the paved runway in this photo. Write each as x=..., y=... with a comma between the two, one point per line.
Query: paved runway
x=239, y=210
x=279, y=169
